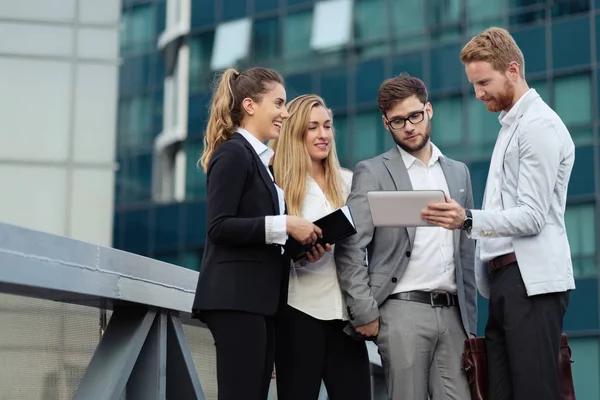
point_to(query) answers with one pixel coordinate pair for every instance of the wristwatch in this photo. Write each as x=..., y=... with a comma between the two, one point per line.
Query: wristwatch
x=468, y=222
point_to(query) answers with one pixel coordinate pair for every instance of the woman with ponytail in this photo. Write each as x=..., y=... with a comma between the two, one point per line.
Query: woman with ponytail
x=311, y=345
x=244, y=274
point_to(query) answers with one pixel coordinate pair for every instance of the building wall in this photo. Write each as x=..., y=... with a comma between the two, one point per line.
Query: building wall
x=343, y=50
x=58, y=84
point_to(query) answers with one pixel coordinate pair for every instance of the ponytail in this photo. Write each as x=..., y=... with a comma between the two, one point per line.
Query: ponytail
x=226, y=111
x=220, y=125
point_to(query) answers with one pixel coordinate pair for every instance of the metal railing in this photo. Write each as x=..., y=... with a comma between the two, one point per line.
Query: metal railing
x=143, y=351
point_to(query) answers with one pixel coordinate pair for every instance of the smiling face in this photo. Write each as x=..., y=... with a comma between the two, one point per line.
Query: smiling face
x=492, y=87
x=319, y=135
x=267, y=115
x=412, y=137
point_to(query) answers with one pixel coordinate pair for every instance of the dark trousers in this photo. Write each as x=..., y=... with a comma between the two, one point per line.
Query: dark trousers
x=523, y=339
x=245, y=353
x=309, y=350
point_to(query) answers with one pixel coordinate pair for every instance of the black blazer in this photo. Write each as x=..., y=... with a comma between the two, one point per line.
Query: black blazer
x=239, y=270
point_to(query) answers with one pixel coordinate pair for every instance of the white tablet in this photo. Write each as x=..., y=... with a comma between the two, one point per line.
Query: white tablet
x=401, y=208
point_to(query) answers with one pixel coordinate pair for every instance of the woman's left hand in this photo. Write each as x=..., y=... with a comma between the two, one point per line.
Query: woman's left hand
x=316, y=252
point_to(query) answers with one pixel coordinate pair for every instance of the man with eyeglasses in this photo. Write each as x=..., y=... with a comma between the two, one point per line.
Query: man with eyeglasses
x=412, y=290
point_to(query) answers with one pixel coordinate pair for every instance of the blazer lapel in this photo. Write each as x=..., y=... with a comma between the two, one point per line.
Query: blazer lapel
x=453, y=180
x=395, y=165
x=264, y=174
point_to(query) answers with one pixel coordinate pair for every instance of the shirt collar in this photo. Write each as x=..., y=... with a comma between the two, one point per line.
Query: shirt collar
x=508, y=118
x=409, y=159
x=264, y=152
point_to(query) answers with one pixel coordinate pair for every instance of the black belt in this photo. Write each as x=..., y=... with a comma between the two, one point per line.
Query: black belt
x=435, y=299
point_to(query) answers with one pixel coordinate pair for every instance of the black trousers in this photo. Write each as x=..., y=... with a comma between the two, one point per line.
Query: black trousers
x=523, y=339
x=309, y=350
x=245, y=353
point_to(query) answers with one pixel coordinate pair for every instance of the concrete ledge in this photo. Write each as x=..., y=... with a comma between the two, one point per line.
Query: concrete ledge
x=37, y=264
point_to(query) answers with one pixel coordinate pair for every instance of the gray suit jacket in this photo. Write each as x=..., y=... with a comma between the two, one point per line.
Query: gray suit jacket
x=366, y=286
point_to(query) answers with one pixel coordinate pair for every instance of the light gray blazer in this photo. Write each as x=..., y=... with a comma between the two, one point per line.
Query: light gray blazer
x=366, y=286
x=537, y=166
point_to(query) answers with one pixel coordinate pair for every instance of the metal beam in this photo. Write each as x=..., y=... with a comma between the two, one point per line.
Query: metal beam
x=116, y=354
x=182, y=377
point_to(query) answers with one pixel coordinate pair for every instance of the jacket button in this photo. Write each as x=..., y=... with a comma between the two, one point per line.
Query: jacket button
x=408, y=254
x=394, y=279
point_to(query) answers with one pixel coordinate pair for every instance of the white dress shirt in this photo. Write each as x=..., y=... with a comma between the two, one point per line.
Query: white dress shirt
x=275, y=225
x=431, y=265
x=490, y=248
x=314, y=287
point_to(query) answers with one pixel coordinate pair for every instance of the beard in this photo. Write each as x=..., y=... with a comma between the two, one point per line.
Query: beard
x=422, y=141
x=503, y=101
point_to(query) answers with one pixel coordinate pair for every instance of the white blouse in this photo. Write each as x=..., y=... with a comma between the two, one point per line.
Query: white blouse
x=314, y=287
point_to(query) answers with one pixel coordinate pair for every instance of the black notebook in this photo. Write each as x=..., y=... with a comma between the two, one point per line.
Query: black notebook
x=335, y=226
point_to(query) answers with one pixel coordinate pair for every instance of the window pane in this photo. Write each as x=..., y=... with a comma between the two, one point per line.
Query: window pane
x=191, y=260
x=480, y=9
x=407, y=17
x=581, y=230
x=203, y=12
x=444, y=20
x=201, y=48
x=195, y=182
x=410, y=62
x=340, y=126
x=366, y=12
x=369, y=76
x=573, y=99
x=334, y=87
x=483, y=128
x=297, y=85
x=542, y=88
x=232, y=43
x=329, y=33
x=233, y=9
x=447, y=124
x=140, y=120
x=571, y=43
x=582, y=176
x=296, y=40
x=446, y=69
x=265, y=40
x=137, y=229
x=586, y=368
x=198, y=113
x=141, y=34
x=569, y=7
x=367, y=135
x=532, y=42
x=167, y=230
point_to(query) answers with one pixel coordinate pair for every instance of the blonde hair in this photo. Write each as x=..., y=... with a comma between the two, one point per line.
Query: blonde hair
x=496, y=46
x=226, y=111
x=292, y=162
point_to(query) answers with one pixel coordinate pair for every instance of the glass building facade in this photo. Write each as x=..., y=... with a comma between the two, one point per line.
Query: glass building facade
x=343, y=50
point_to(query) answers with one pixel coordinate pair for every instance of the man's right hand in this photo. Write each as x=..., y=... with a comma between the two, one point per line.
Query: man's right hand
x=303, y=231
x=370, y=329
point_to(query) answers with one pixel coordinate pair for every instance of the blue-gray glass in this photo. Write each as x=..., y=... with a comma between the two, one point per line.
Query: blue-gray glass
x=582, y=314
x=142, y=32
x=526, y=17
x=443, y=12
x=408, y=62
x=157, y=110
x=136, y=235
x=137, y=72
x=532, y=42
x=296, y=50
x=484, y=9
x=202, y=13
x=369, y=76
x=334, y=87
x=296, y=85
x=296, y=2
x=201, y=48
x=370, y=20
x=570, y=7
x=598, y=90
x=194, y=218
x=340, y=126
x=117, y=218
x=265, y=40
x=598, y=34
x=195, y=182
x=524, y=3
x=265, y=5
x=367, y=138
x=167, y=227
x=571, y=43
x=158, y=73
x=198, y=113
x=479, y=172
x=446, y=69
x=573, y=99
x=233, y=9
x=161, y=17
x=407, y=17
x=582, y=176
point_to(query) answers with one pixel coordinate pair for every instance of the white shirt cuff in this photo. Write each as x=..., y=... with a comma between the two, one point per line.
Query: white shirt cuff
x=275, y=229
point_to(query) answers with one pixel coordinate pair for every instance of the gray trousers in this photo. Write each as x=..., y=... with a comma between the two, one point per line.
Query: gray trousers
x=421, y=351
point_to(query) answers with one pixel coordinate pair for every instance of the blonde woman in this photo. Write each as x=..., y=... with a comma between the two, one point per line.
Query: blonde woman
x=244, y=273
x=310, y=343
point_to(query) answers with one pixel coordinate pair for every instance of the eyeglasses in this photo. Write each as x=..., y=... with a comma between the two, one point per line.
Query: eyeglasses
x=399, y=123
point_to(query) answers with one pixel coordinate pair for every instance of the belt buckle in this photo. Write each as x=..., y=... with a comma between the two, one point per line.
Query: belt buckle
x=433, y=295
